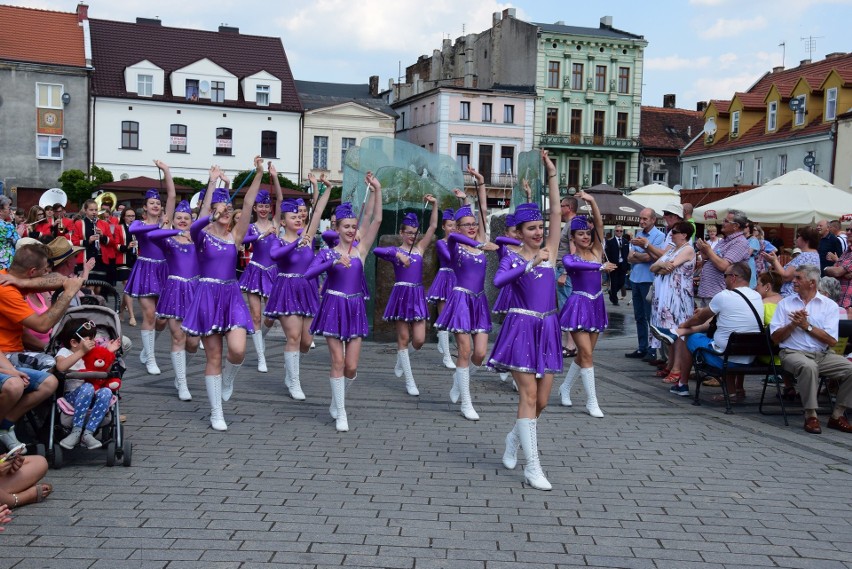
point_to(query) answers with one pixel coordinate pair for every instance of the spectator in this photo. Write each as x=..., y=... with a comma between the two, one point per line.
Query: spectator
x=563, y=282
x=834, y=227
x=828, y=243
x=765, y=247
x=19, y=483
x=775, y=239
x=829, y=287
x=21, y=222
x=713, y=236
x=807, y=241
x=127, y=253
x=687, y=216
x=617, y=250
x=842, y=271
x=8, y=233
x=641, y=276
x=733, y=249
x=805, y=325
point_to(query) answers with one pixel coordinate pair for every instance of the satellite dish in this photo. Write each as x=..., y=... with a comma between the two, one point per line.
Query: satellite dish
x=795, y=104
x=710, y=126
x=677, y=188
x=204, y=86
x=124, y=176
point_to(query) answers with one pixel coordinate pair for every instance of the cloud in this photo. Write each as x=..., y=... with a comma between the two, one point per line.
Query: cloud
x=676, y=62
x=726, y=28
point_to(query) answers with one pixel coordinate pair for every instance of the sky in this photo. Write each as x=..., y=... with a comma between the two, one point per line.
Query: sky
x=697, y=50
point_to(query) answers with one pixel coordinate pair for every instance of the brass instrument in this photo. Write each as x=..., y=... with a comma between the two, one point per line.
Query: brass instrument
x=106, y=198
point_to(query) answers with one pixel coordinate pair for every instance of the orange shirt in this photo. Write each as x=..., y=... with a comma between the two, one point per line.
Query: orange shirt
x=15, y=311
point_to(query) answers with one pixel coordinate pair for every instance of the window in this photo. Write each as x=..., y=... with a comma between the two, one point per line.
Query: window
x=577, y=76
x=621, y=126
x=345, y=144
x=401, y=125
x=758, y=171
x=486, y=112
x=269, y=144
x=217, y=91
x=600, y=78
x=177, y=138
x=192, y=89
x=576, y=125
x=661, y=177
x=416, y=117
x=573, y=173
x=740, y=172
x=620, y=174
x=624, y=80
x=800, y=111
x=320, y=153
x=507, y=160
x=693, y=176
x=464, y=111
x=735, y=124
x=717, y=174
x=598, y=126
x=47, y=147
x=831, y=104
x=145, y=85
x=224, y=141
x=463, y=155
x=509, y=114
x=552, y=125
x=486, y=153
x=48, y=96
x=597, y=172
x=772, y=116
x=262, y=95
x=782, y=164
x=553, y=74
x=130, y=135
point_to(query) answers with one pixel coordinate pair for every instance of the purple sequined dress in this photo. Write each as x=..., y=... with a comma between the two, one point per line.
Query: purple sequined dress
x=445, y=278
x=585, y=309
x=407, y=300
x=466, y=311
x=218, y=304
x=342, y=312
x=149, y=273
x=530, y=340
x=259, y=275
x=182, y=262
x=503, y=302
x=292, y=293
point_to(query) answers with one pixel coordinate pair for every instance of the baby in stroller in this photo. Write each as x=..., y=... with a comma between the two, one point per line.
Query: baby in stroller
x=77, y=337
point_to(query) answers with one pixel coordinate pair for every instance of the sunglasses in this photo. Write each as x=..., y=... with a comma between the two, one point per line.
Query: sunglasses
x=88, y=325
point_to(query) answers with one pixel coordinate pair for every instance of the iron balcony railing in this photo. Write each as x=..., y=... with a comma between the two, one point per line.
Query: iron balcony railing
x=574, y=139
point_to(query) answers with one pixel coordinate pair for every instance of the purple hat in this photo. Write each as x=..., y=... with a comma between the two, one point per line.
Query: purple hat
x=289, y=206
x=463, y=211
x=300, y=202
x=449, y=215
x=331, y=238
x=343, y=211
x=510, y=220
x=183, y=207
x=221, y=195
x=152, y=194
x=263, y=197
x=579, y=223
x=411, y=220
x=527, y=212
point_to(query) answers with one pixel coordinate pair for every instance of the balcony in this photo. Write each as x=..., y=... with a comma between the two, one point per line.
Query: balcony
x=564, y=140
x=493, y=180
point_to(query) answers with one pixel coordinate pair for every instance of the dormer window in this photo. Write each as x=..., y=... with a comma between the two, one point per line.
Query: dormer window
x=263, y=95
x=735, y=124
x=800, y=110
x=772, y=116
x=145, y=85
x=831, y=104
x=192, y=89
x=217, y=91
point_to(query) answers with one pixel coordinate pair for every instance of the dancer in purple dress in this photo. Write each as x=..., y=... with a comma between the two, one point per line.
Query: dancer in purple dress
x=294, y=300
x=466, y=313
x=149, y=273
x=508, y=244
x=407, y=302
x=218, y=310
x=179, y=289
x=529, y=343
x=443, y=283
x=584, y=313
x=342, y=316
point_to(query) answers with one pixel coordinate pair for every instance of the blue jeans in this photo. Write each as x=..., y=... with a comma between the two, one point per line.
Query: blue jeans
x=701, y=340
x=36, y=378
x=641, y=312
x=562, y=291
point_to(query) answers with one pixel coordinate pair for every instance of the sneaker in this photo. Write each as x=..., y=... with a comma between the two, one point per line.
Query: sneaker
x=71, y=440
x=678, y=389
x=638, y=354
x=9, y=439
x=663, y=335
x=90, y=442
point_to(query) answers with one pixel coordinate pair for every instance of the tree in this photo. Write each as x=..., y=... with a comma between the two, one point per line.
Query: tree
x=191, y=182
x=285, y=182
x=79, y=186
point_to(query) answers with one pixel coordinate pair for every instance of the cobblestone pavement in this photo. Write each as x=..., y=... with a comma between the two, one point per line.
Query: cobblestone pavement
x=657, y=483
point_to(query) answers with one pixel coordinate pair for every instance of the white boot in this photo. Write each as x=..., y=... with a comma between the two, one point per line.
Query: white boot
x=587, y=374
x=454, y=390
x=148, y=340
x=529, y=442
x=464, y=389
x=179, y=364
x=338, y=392
x=214, y=394
x=510, y=455
x=504, y=375
x=444, y=348
x=397, y=369
x=332, y=409
x=565, y=388
x=260, y=348
x=405, y=364
x=229, y=374
x=291, y=364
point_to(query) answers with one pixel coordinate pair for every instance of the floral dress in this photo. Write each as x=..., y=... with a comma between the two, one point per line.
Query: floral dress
x=673, y=301
x=8, y=238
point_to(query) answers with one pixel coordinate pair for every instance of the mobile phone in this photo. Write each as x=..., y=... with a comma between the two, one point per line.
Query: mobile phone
x=13, y=453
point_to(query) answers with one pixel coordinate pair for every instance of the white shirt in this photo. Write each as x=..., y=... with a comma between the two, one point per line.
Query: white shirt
x=732, y=315
x=823, y=313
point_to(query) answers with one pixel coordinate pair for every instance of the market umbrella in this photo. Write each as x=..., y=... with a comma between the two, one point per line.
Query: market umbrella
x=616, y=208
x=796, y=198
x=655, y=196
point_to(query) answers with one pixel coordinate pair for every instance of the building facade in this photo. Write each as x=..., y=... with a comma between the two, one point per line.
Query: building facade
x=664, y=132
x=842, y=177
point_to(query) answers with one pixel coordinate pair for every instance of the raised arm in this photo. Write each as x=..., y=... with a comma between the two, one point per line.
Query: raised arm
x=319, y=207
x=423, y=244
x=208, y=194
x=372, y=231
x=597, y=219
x=279, y=195
x=554, y=222
x=482, y=199
x=171, y=194
x=248, y=201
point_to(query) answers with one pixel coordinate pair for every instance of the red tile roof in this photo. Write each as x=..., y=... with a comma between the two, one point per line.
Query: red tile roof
x=752, y=101
x=721, y=106
x=41, y=36
x=758, y=135
x=813, y=73
x=668, y=129
x=117, y=45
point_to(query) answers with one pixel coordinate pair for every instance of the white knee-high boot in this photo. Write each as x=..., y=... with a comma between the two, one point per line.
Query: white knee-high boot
x=291, y=365
x=565, y=388
x=229, y=374
x=397, y=369
x=444, y=348
x=214, y=394
x=148, y=340
x=513, y=441
x=260, y=348
x=533, y=473
x=587, y=374
x=454, y=390
x=338, y=392
x=467, y=409
x=332, y=409
x=405, y=364
x=179, y=363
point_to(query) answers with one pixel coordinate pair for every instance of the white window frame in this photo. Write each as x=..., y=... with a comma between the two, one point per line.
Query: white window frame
x=772, y=116
x=217, y=88
x=262, y=95
x=717, y=174
x=487, y=112
x=740, y=170
x=52, y=141
x=693, y=176
x=831, y=104
x=345, y=144
x=799, y=119
x=464, y=110
x=758, y=171
x=320, y=155
x=145, y=85
x=782, y=164
x=735, y=124
x=50, y=87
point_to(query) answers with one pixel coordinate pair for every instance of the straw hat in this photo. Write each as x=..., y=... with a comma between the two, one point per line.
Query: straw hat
x=60, y=249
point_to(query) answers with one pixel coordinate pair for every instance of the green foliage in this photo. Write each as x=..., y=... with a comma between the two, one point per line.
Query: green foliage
x=191, y=182
x=285, y=182
x=79, y=186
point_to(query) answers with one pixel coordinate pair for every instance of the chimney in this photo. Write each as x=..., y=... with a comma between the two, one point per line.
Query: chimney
x=149, y=21
x=495, y=18
x=559, y=23
x=835, y=55
x=805, y=62
x=669, y=101
x=701, y=106
x=82, y=12
x=229, y=30
x=446, y=44
x=778, y=69
x=374, y=85
x=606, y=22
x=509, y=13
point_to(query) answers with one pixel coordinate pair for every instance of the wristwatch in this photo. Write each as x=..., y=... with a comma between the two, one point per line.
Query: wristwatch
x=810, y=328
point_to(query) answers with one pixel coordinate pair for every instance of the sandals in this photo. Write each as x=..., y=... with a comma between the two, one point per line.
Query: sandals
x=43, y=490
x=711, y=382
x=663, y=372
x=737, y=397
x=672, y=378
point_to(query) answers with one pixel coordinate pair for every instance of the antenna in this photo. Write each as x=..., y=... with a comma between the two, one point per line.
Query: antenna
x=462, y=29
x=783, y=46
x=810, y=45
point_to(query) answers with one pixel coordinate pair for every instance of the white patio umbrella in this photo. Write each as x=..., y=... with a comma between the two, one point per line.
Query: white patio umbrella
x=655, y=196
x=797, y=197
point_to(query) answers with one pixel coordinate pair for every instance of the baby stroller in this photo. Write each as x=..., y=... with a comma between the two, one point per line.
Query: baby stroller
x=110, y=432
